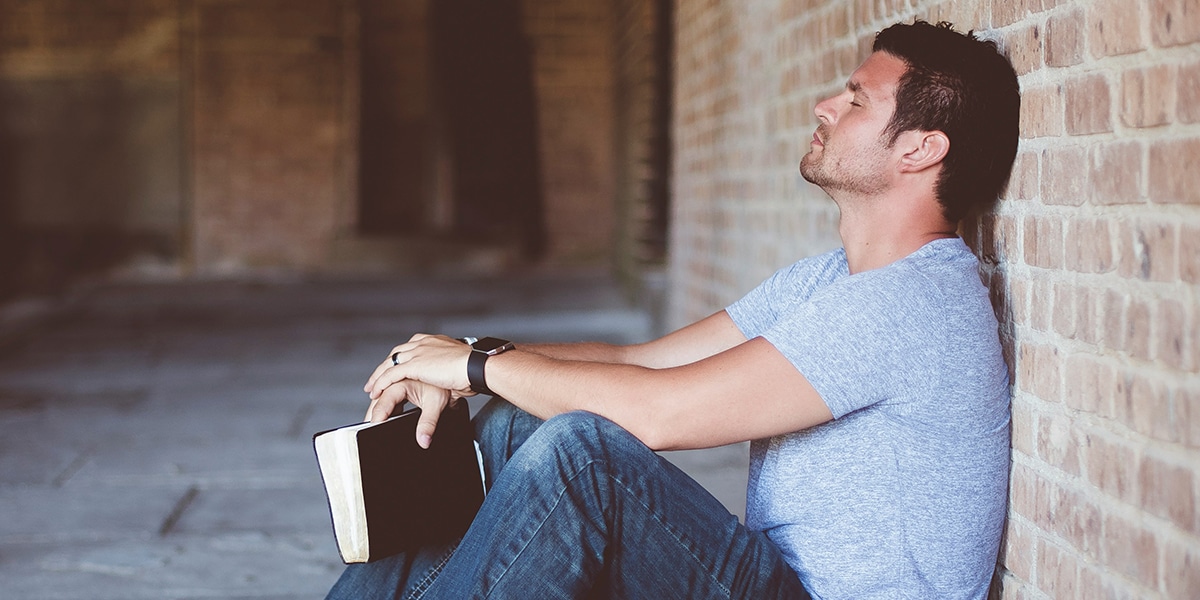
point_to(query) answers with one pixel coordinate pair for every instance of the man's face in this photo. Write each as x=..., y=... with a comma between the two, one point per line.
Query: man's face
x=849, y=152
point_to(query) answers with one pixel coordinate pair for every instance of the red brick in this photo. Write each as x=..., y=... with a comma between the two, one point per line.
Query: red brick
x=1131, y=550
x=1137, y=329
x=1117, y=170
x=1091, y=584
x=1044, y=503
x=1043, y=242
x=1023, y=184
x=1174, y=177
x=1146, y=96
x=1090, y=383
x=1019, y=301
x=1058, y=571
x=1088, y=247
x=1013, y=588
x=1023, y=430
x=1087, y=105
x=1017, y=555
x=1187, y=99
x=1065, y=176
x=1173, y=336
x=1041, y=298
x=1081, y=524
x=1174, y=22
x=1114, y=306
x=1022, y=491
x=1111, y=466
x=1147, y=408
x=1063, y=309
x=1187, y=408
x=1147, y=250
x=1158, y=240
x=1167, y=491
x=1007, y=13
x=1181, y=569
x=1041, y=112
x=1064, y=39
x=1058, y=443
x=1040, y=371
x=1025, y=49
x=1087, y=315
x=1114, y=27
x=1131, y=256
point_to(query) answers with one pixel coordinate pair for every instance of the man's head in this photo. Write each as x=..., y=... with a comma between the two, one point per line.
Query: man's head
x=965, y=88
x=948, y=82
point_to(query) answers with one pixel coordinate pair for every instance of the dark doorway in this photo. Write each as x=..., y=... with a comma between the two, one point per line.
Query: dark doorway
x=396, y=129
x=480, y=129
x=484, y=86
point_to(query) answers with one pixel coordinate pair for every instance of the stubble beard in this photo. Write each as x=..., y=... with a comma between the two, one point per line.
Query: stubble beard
x=860, y=173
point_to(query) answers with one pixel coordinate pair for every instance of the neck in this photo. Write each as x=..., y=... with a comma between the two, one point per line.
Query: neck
x=878, y=232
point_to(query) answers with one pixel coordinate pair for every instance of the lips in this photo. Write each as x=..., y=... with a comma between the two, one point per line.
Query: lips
x=817, y=140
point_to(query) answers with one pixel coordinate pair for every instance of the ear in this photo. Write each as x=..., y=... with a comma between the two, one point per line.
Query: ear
x=923, y=149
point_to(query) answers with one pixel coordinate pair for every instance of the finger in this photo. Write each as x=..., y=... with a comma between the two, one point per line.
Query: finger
x=382, y=407
x=427, y=424
x=390, y=377
x=383, y=366
x=390, y=361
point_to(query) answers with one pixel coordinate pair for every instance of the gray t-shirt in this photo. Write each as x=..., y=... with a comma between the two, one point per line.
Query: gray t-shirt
x=903, y=494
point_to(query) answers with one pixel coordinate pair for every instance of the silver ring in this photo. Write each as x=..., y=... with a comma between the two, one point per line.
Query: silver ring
x=395, y=356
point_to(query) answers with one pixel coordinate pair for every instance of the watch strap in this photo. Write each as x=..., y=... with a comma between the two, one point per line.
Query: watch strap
x=475, y=375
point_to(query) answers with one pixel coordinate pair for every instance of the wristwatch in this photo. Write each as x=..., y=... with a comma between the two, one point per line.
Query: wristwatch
x=481, y=349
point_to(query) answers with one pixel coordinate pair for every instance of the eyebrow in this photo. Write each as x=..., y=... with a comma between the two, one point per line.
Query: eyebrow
x=857, y=88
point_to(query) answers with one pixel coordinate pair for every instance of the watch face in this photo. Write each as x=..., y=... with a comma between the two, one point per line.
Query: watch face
x=491, y=344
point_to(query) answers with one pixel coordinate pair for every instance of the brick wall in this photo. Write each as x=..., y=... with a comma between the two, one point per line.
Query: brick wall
x=643, y=82
x=89, y=136
x=573, y=69
x=268, y=131
x=1093, y=255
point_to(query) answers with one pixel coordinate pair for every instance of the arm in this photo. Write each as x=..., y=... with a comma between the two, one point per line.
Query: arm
x=706, y=337
x=748, y=391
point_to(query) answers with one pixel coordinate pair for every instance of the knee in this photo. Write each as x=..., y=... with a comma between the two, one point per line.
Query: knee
x=500, y=421
x=579, y=436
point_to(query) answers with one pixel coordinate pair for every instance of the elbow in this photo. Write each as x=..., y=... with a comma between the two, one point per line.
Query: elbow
x=658, y=434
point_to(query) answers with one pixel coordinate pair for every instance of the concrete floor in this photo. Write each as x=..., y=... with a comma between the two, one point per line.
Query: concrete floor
x=157, y=437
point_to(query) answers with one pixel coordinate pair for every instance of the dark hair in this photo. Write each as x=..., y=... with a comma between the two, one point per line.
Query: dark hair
x=964, y=87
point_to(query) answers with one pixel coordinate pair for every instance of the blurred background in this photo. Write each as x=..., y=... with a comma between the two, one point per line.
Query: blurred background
x=214, y=213
x=218, y=137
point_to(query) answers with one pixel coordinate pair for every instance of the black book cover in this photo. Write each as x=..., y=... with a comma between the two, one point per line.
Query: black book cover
x=414, y=496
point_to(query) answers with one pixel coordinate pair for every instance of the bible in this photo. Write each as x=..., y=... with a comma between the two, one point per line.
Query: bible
x=387, y=494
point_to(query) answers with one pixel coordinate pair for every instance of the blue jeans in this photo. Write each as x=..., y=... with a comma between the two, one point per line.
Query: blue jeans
x=579, y=508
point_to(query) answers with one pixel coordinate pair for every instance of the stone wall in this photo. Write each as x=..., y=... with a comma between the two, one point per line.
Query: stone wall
x=1093, y=255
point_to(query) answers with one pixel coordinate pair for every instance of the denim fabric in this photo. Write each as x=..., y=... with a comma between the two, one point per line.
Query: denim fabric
x=582, y=509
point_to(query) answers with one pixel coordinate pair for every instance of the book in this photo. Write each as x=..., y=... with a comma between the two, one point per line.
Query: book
x=387, y=494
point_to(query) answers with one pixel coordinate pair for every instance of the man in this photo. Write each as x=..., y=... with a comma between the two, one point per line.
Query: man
x=869, y=379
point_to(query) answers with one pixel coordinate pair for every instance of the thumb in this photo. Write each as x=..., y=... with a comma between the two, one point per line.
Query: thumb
x=426, y=424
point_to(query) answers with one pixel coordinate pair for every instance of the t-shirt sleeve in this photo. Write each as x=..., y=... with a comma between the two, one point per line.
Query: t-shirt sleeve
x=755, y=312
x=860, y=342
x=762, y=307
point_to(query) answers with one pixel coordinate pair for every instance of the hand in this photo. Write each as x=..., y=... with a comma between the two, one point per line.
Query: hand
x=432, y=400
x=437, y=361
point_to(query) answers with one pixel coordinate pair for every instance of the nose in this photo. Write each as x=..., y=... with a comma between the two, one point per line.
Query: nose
x=824, y=110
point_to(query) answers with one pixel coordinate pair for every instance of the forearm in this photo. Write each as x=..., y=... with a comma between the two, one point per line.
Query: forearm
x=546, y=386
x=583, y=351
x=698, y=341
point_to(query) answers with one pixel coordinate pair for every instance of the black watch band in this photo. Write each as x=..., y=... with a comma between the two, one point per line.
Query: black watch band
x=481, y=349
x=475, y=373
